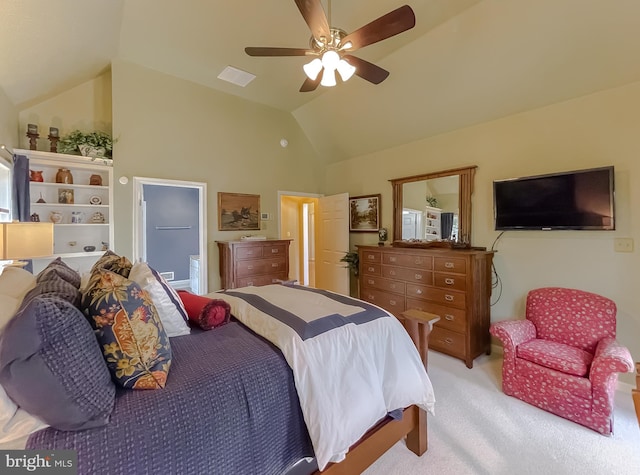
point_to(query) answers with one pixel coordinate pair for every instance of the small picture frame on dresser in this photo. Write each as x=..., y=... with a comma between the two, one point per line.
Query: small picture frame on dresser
x=364, y=213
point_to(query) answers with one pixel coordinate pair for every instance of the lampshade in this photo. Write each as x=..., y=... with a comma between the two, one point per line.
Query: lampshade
x=25, y=240
x=328, y=78
x=345, y=69
x=313, y=68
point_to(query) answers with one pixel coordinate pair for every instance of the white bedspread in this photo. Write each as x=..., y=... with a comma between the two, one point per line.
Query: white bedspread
x=352, y=362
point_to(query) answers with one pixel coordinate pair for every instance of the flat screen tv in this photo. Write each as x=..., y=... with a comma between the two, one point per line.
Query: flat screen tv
x=579, y=200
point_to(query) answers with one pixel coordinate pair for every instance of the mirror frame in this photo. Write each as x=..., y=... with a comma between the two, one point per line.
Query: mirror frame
x=465, y=190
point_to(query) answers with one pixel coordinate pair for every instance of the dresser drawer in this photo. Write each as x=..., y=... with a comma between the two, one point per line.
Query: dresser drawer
x=450, y=318
x=258, y=280
x=449, y=281
x=248, y=252
x=450, y=264
x=408, y=260
x=273, y=250
x=391, y=302
x=451, y=298
x=371, y=257
x=408, y=275
x=447, y=341
x=260, y=266
x=383, y=284
x=371, y=269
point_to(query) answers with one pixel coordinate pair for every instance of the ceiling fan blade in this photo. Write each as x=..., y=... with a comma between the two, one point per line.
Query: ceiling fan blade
x=366, y=70
x=393, y=23
x=314, y=15
x=311, y=84
x=268, y=51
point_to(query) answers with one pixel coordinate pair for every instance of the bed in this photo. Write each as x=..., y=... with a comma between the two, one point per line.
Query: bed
x=239, y=400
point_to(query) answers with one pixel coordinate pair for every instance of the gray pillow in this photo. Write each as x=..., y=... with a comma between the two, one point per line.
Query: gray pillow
x=54, y=287
x=58, y=268
x=52, y=367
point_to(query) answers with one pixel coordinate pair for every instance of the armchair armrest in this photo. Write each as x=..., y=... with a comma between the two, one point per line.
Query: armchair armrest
x=513, y=332
x=610, y=358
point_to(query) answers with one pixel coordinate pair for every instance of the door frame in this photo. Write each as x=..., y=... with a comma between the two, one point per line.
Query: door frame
x=138, y=218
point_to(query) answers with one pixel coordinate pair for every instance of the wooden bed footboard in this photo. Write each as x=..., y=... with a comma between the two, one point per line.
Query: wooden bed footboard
x=388, y=432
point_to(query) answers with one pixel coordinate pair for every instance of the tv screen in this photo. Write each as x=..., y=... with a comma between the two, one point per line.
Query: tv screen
x=581, y=199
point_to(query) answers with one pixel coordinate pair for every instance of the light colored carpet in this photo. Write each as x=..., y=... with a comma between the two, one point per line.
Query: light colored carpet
x=477, y=429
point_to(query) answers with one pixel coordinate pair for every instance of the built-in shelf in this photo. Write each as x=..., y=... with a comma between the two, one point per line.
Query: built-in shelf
x=67, y=185
x=78, y=205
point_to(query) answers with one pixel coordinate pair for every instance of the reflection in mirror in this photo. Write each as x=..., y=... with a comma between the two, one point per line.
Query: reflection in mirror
x=430, y=209
x=433, y=207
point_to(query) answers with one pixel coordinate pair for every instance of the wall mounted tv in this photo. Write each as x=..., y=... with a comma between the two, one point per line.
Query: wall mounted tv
x=578, y=200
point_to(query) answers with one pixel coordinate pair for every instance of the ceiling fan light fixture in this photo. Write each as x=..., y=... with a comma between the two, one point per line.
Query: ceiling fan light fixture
x=345, y=69
x=328, y=78
x=313, y=68
x=330, y=60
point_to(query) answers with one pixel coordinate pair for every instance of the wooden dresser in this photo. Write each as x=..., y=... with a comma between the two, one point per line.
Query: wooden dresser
x=245, y=263
x=454, y=284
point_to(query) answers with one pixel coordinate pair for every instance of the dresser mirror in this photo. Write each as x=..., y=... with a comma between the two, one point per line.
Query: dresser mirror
x=433, y=207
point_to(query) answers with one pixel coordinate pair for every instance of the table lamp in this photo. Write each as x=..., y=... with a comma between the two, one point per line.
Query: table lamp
x=24, y=240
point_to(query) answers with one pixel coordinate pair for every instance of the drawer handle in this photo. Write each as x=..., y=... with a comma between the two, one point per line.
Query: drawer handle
x=448, y=341
x=418, y=261
x=418, y=291
x=392, y=272
x=370, y=297
x=274, y=251
x=250, y=267
x=448, y=298
x=249, y=283
x=392, y=259
x=371, y=281
x=392, y=286
x=418, y=276
x=449, y=318
x=274, y=264
x=449, y=281
x=371, y=269
x=371, y=257
x=449, y=265
x=392, y=302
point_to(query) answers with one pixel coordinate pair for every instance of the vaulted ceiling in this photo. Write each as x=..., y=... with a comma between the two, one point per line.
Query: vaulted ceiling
x=465, y=62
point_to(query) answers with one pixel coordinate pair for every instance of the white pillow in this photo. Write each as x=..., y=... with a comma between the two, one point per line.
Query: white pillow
x=16, y=282
x=15, y=422
x=170, y=309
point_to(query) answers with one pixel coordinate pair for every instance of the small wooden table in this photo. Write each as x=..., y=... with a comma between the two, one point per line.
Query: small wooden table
x=419, y=325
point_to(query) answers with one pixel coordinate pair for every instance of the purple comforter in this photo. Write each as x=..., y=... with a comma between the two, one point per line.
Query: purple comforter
x=229, y=407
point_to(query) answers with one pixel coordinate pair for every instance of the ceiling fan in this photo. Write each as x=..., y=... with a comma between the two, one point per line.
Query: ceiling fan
x=330, y=46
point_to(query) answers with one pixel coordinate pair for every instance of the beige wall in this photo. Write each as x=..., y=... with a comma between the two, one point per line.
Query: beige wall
x=8, y=123
x=596, y=130
x=171, y=128
x=86, y=107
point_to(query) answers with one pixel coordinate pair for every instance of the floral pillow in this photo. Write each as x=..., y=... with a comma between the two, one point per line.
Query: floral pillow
x=129, y=331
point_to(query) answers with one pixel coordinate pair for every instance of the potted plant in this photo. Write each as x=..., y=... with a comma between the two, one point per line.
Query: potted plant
x=89, y=144
x=353, y=261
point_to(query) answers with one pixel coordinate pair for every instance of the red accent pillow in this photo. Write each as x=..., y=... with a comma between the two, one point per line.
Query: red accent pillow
x=205, y=312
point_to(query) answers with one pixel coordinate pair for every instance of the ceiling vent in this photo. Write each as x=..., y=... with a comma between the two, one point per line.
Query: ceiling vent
x=236, y=76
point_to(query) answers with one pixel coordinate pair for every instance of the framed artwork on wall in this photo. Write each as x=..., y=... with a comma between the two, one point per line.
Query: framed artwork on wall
x=364, y=213
x=238, y=212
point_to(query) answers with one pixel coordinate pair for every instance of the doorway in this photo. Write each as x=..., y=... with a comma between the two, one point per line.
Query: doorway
x=171, y=215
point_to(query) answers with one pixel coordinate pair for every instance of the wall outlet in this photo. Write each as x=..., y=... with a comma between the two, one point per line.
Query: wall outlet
x=623, y=244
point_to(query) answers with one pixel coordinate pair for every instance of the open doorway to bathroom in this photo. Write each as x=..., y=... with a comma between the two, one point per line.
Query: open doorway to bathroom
x=170, y=230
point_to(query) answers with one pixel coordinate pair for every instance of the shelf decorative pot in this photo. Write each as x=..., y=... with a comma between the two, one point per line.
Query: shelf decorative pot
x=36, y=175
x=55, y=217
x=64, y=176
x=90, y=151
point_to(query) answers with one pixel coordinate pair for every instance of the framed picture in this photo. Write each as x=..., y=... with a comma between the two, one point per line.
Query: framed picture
x=238, y=212
x=364, y=213
x=65, y=196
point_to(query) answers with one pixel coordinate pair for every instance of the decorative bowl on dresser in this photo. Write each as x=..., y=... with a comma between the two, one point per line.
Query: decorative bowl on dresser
x=253, y=262
x=452, y=283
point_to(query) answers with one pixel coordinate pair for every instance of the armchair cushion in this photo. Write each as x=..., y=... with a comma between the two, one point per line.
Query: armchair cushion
x=513, y=332
x=564, y=358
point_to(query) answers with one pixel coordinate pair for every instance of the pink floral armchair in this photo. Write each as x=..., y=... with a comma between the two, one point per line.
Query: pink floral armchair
x=563, y=357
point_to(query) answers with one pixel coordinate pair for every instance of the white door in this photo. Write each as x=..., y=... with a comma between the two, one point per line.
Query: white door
x=332, y=243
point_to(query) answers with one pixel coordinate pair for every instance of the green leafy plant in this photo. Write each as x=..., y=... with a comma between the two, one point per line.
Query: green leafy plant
x=70, y=143
x=432, y=201
x=353, y=261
